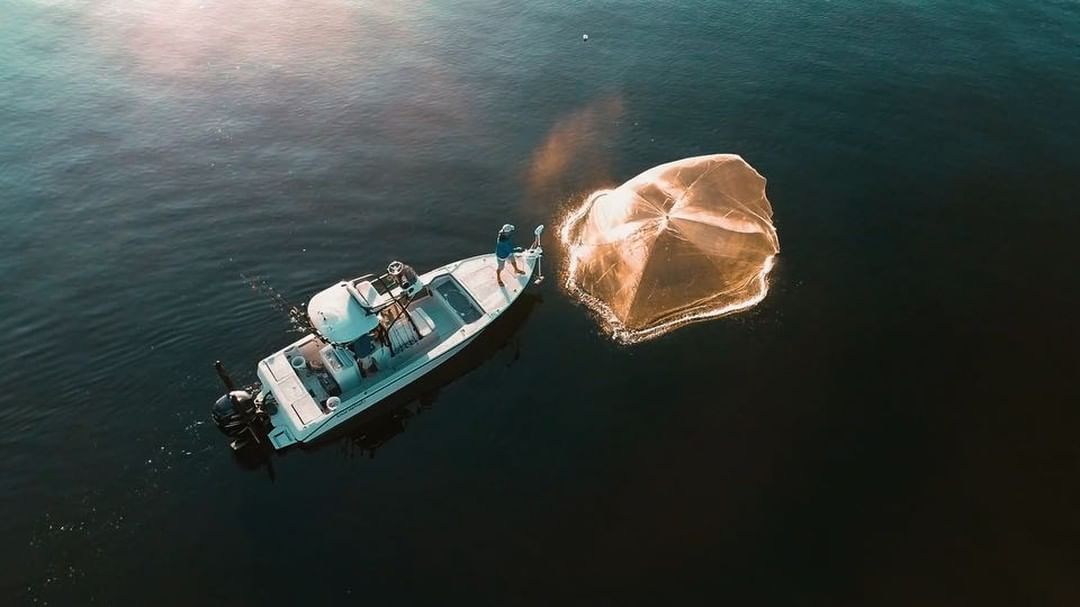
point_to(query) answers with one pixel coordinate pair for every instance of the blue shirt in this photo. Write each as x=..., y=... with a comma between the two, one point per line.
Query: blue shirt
x=504, y=247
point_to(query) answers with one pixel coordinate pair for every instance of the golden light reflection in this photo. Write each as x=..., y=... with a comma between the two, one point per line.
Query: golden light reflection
x=380, y=61
x=572, y=154
x=682, y=242
x=190, y=37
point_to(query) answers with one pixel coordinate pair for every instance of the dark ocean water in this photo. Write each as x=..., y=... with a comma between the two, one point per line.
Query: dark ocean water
x=896, y=424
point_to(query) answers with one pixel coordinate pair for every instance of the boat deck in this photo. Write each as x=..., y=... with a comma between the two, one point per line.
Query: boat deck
x=477, y=274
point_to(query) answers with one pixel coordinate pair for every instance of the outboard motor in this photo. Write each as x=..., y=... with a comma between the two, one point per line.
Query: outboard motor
x=406, y=277
x=232, y=411
x=236, y=413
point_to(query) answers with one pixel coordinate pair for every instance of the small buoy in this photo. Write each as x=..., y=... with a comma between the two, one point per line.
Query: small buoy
x=584, y=37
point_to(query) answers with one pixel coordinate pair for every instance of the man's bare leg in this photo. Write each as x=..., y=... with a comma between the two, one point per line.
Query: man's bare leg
x=513, y=262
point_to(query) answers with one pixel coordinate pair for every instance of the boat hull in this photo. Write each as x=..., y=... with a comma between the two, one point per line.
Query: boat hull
x=477, y=276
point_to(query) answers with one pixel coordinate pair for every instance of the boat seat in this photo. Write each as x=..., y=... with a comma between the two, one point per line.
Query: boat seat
x=288, y=388
x=424, y=324
x=402, y=335
x=367, y=292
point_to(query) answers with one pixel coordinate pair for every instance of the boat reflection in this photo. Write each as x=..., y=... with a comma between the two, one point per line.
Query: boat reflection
x=373, y=428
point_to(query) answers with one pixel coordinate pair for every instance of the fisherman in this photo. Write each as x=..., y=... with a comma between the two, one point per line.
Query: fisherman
x=504, y=249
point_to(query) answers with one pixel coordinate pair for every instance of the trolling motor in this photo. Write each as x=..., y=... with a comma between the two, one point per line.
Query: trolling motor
x=237, y=414
x=540, y=257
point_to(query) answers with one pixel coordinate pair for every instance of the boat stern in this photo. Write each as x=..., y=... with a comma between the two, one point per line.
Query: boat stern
x=280, y=437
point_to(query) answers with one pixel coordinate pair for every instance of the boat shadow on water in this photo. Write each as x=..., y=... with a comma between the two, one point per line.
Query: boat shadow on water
x=376, y=426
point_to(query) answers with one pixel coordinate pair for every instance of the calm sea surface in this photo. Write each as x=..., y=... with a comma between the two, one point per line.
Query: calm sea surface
x=896, y=424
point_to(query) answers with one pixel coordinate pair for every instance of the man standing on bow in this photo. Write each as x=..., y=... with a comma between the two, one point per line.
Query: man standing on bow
x=504, y=249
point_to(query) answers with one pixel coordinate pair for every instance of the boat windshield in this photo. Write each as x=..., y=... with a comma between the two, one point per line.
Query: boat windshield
x=459, y=301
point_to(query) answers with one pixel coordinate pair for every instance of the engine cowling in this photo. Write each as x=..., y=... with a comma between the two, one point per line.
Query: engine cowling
x=236, y=414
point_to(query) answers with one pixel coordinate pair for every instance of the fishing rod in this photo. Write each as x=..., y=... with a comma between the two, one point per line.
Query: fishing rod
x=297, y=318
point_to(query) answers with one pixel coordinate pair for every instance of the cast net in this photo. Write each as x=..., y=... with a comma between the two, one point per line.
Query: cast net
x=681, y=242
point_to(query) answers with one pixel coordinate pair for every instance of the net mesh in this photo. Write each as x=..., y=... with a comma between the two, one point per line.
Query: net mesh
x=683, y=241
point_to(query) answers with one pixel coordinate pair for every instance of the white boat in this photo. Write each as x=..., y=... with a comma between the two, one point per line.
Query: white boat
x=371, y=337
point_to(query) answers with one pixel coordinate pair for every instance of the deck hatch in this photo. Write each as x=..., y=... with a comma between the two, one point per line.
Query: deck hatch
x=459, y=301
